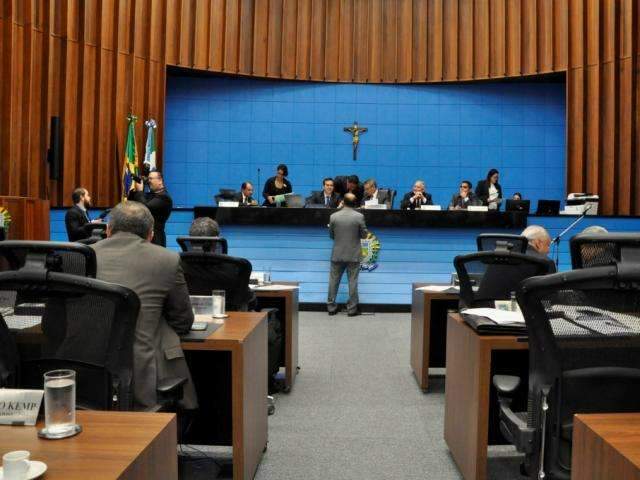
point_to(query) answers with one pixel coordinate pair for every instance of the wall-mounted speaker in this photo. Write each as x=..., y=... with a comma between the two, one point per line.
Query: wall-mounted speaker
x=55, y=154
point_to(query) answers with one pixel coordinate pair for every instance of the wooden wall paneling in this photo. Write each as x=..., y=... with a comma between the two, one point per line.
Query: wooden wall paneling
x=274, y=51
x=560, y=34
x=529, y=37
x=201, y=42
x=404, y=45
x=624, y=139
x=575, y=129
x=609, y=129
x=24, y=100
x=187, y=33
x=514, y=38
x=172, y=31
x=361, y=54
x=217, y=10
x=419, y=48
x=592, y=25
x=87, y=112
x=5, y=75
x=497, y=36
x=592, y=130
x=259, y=13
x=346, y=46
x=389, y=41
x=576, y=34
x=375, y=40
x=106, y=126
x=318, y=23
x=450, y=43
x=69, y=116
x=303, y=43
x=231, y=36
x=289, y=34
x=157, y=27
x=335, y=51
x=246, y=37
x=544, y=34
x=434, y=41
x=465, y=39
x=481, y=37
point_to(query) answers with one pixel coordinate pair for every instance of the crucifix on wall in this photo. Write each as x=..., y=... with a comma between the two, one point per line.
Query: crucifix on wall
x=355, y=132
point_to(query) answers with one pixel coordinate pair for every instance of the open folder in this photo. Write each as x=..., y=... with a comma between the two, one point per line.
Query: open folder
x=494, y=322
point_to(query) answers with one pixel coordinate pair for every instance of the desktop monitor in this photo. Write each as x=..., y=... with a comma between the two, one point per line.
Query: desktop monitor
x=518, y=206
x=548, y=207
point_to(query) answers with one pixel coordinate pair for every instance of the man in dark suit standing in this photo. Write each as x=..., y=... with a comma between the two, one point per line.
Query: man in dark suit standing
x=416, y=198
x=326, y=196
x=371, y=192
x=78, y=216
x=346, y=228
x=127, y=257
x=157, y=201
x=245, y=196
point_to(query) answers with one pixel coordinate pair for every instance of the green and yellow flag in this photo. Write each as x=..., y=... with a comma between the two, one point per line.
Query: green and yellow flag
x=130, y=167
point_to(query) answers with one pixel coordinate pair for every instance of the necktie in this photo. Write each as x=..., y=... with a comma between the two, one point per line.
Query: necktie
x=326, y=201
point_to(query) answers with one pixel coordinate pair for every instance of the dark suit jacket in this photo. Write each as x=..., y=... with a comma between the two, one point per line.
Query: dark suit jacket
x=406, y=201
x=482, y=191
x=458, y=201
x=155, y=274
x=75, y=219
x=317, y=198
x=247, y=203
x=534, y=253
x=160, y=205
x=383, y=198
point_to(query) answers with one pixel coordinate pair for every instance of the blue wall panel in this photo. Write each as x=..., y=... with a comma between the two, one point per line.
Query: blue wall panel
x=406, y=255
x=220, y=131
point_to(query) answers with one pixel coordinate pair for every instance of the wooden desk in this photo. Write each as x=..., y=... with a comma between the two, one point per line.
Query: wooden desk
x=467, y=393
x=606, y=446
x=287, y=302
x=428, y=330
x=244, y=337
x=112, y=445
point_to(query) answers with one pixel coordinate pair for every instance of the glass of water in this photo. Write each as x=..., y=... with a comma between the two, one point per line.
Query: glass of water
x=218, y=302
x=60, y=404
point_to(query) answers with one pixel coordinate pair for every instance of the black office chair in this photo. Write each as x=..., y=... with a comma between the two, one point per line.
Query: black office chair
x=501, y=241
x=225, y=195
x=600, y=249
x=9, y=358
x=496, y=275
x=86, y=325
x=392, y=196
x=64, y=257
x=584, y=357
x=203, y=244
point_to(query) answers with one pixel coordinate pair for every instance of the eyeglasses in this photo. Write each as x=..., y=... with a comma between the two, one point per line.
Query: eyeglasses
x=466, y=187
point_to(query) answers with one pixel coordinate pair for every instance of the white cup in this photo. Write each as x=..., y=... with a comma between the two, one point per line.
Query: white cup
x=15, y=465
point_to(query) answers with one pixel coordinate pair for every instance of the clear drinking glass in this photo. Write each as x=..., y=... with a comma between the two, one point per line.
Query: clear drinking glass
x=217, y=299
x=60, y=403
x=267, y=276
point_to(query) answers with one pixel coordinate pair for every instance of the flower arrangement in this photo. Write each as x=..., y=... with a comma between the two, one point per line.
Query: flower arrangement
x=5, y=218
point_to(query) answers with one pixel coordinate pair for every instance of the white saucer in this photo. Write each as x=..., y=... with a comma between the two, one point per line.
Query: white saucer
x=36, y=469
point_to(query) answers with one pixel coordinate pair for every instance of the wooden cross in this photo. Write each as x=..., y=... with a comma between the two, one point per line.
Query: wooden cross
x=355, y=132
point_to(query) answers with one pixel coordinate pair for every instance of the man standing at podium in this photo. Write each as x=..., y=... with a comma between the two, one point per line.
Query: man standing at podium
x=346, y=228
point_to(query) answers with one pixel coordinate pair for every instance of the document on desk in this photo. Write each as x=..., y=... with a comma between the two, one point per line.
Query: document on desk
x=20, y=322
x=274, y=287
x=499, y=317
x=439, y=289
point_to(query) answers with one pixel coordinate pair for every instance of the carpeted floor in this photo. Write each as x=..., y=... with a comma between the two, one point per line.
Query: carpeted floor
x=356, y=411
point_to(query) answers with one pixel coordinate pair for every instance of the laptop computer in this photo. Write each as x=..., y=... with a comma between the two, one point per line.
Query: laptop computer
x=518, y=206
x=548, y=207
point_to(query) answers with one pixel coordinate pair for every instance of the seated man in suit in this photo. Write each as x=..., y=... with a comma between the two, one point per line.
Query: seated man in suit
x=539, y=242
x=416, y=198
x=244, y=197
x=464, y=198
x=326, y=197
x=78, y=216
x=127, y=257
x=371, y=192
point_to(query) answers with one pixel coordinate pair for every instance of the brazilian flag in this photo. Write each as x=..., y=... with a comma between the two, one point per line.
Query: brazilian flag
x=130, y=167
